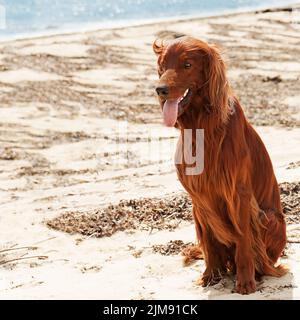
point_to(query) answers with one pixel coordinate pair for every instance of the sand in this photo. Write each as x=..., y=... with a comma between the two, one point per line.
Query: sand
x=65, y=102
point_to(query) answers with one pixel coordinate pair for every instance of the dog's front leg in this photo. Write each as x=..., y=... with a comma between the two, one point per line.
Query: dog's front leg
x=215, y=255
x=244, y=255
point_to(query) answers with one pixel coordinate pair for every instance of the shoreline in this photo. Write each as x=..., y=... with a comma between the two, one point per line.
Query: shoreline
x=120, y=25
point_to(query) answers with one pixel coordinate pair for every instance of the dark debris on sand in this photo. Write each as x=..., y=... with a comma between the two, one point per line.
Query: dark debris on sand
x=293, y=165
x=153, y=213
x=173, y=247
x=142, y=214
x=263, y=108
x=290, y=199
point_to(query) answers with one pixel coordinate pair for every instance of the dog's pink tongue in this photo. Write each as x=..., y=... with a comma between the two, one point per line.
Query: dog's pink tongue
x=170, y=112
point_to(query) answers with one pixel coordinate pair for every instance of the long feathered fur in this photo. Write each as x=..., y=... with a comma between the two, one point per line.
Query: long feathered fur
x=236, y=202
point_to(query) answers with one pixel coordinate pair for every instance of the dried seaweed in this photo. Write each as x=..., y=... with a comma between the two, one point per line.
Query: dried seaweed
x=152, y=213
x=173, y=247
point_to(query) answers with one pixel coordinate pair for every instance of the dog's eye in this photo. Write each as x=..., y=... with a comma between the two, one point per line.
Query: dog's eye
x=187, y=65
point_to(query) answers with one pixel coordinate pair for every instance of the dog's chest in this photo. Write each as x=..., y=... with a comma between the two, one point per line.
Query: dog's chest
x=199, y=170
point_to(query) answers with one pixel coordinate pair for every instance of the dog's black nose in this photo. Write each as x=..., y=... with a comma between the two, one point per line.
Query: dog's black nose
x=162, y=91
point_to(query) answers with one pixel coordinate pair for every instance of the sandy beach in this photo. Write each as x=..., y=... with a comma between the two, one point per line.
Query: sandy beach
x=76, y=114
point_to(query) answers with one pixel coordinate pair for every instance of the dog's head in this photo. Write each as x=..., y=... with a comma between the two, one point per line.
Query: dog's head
x=192, y=75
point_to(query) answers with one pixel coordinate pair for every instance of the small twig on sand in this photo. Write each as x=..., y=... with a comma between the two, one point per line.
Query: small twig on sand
x=151, y=229
x=88, y=237
x=45, y=240
x=293, y=241
x=13, y=247
x=171, y=215
x=20, y=248
x=22, y=258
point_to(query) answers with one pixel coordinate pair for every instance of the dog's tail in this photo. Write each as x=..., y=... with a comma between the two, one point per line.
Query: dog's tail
x=191, y=254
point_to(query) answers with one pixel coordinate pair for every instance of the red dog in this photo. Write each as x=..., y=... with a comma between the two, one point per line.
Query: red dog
x=236, y=202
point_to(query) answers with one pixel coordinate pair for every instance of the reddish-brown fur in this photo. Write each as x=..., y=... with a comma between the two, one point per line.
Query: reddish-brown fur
x=236, y=201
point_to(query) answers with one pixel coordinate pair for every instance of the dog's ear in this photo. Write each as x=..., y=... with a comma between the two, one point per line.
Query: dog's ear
x=218, y=87
x=158, y=47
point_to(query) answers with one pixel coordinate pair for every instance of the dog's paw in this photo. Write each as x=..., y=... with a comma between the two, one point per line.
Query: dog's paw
x=209, y=279
x=245, y=286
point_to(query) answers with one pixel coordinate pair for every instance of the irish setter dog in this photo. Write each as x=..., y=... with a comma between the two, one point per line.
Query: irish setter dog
x=236, y=203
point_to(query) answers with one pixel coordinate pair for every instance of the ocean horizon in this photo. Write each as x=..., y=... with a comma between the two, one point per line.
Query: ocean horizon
x=30, y=18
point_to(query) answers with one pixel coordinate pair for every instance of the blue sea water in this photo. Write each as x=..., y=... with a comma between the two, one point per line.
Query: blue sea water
x=29, y=17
